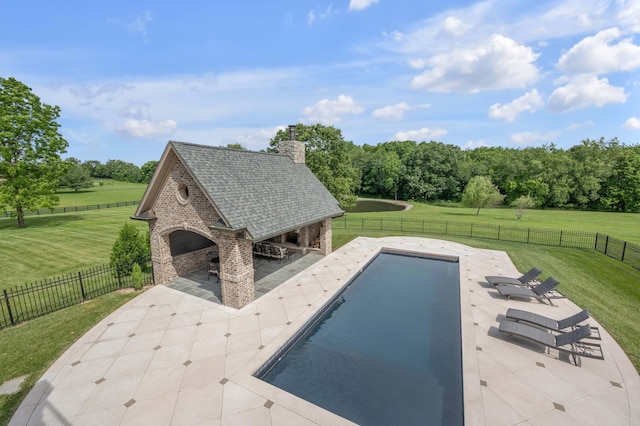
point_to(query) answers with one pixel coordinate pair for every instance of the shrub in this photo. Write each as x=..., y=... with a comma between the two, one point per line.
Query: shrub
x=136, y=276
x=129, y=248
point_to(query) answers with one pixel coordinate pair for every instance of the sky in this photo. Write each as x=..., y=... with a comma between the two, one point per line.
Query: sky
x=131, y=75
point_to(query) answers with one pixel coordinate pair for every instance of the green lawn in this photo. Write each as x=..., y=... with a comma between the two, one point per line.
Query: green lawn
x=624, y=226
x=51, y=245
x=110, y=192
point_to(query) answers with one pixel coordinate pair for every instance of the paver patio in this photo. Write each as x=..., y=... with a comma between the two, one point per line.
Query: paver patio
x=171, y=358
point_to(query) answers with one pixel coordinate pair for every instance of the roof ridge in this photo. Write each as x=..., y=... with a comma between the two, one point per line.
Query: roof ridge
x=224, y=148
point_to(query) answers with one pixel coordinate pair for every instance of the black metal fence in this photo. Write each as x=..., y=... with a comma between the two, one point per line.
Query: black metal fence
x=621, y=250
x=71, y=209
x=30, y=301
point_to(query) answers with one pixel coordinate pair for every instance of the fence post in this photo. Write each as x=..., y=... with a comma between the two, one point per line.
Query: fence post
x=560, y=238
x=6, y=298
x=624, y=249
x=472, y=229
x=606, y=244
x=498, y=232
x=118, y=273
x=528, y=234
x=84, y=297
x=446, y=227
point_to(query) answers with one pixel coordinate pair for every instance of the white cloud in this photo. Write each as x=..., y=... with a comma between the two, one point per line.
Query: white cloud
x=579, y=125
x=499, y=63
x=392, y=112
x=331, y=111
x=258, y=139
x=146, y=129
x=632, y=124
x=137, y=110
x=475, y=144
x=597, y=54
x=530, y=101
x=526, y=138
x=454, y=26
x=629, y=14
x=361, y=4
x=321, y=15
x=585, y=91
x=418, y=63
x=423, y=134
x=137, y=25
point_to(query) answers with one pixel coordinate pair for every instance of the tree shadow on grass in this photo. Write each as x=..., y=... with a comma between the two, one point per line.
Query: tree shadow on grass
x=48, y=221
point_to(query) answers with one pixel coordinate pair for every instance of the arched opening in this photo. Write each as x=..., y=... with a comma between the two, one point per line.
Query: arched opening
x=190, y=251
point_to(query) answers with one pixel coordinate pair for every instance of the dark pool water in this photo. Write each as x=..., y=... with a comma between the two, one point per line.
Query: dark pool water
x=388, y=351
x=364, y=206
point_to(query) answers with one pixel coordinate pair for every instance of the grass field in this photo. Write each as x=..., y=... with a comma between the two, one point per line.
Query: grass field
x=624, y=226
x=52, y=245
x=110, y=192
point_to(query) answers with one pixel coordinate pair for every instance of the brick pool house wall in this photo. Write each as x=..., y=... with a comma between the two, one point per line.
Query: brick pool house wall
x=173, y=212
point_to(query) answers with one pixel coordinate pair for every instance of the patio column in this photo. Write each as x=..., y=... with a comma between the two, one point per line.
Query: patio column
x=236, y=272
x=325, y=237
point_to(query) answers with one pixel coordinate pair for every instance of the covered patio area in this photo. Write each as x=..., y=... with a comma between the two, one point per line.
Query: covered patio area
x=268, y=272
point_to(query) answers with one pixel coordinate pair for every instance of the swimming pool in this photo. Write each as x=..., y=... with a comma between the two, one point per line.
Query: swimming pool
x=385, y=350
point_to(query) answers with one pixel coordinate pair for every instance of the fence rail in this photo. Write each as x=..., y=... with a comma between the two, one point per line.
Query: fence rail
x=71, y=209
x=621, y=250
x=30, y=301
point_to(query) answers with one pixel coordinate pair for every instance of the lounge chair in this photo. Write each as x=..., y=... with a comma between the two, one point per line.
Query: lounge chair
x=525, y=279
x=562, y=326
x=540, y=291
x=567, y=342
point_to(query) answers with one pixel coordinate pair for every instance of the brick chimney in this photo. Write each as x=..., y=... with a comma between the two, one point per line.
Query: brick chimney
x=293, y=148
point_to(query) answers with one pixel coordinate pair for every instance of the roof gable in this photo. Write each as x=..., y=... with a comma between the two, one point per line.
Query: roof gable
x=266, y=194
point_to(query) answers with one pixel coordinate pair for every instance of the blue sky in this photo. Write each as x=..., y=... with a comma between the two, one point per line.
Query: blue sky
x=129, y=76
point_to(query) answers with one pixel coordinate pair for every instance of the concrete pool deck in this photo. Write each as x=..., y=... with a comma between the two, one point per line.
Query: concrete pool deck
x=170, y=358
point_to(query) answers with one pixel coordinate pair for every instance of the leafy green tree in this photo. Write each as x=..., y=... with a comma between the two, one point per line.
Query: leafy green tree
x=236, y=146
x=91, y=166
x=328, y=156
x=76, y=178
x=432, y=173
x=622, y=190
x=523, y=203
x=147, y=170
x=30, y=149
x=129, y=248
x=381, y=171
x=591, y=169
x=480, y=192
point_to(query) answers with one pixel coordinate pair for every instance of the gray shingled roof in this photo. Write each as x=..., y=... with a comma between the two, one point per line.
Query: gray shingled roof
x=268, y=194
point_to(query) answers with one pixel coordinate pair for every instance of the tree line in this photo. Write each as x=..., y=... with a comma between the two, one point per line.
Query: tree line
x=594, y=174
x=81, y=175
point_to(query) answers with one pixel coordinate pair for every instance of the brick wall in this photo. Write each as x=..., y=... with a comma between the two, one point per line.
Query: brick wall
x=181, y=205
